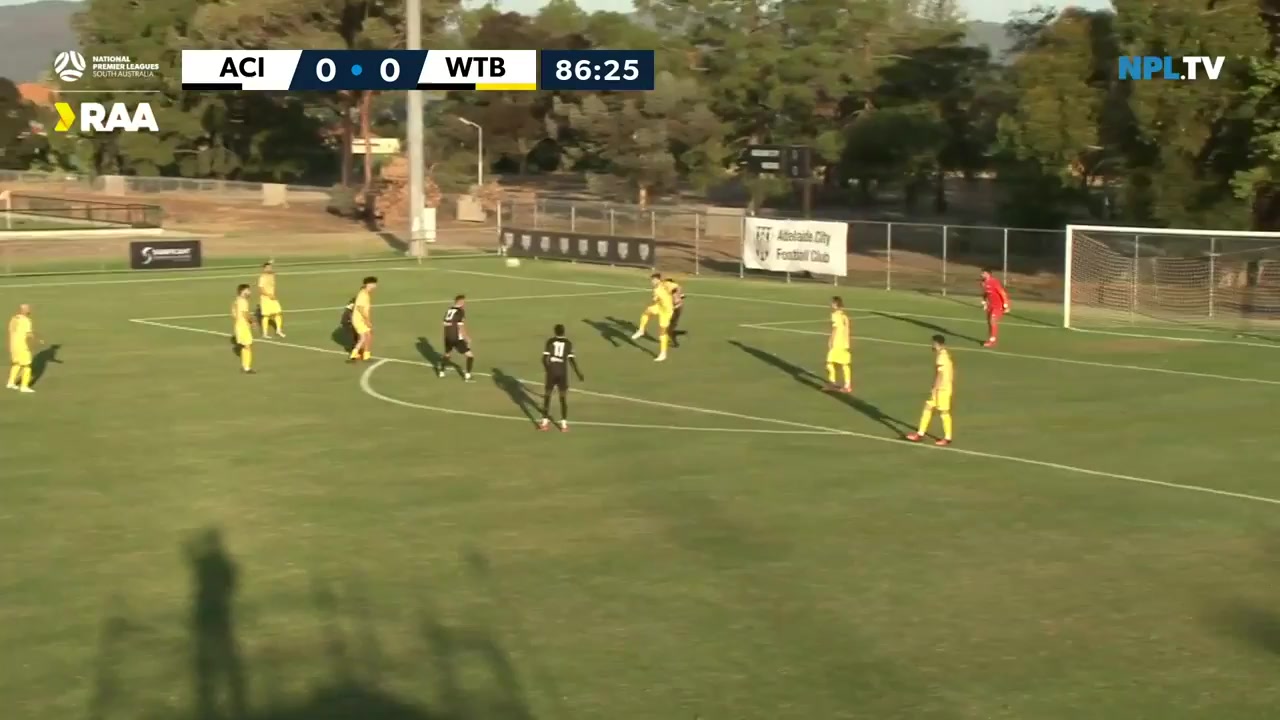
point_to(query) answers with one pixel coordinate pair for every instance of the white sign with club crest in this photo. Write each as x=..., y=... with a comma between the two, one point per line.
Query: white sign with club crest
x=795, y=246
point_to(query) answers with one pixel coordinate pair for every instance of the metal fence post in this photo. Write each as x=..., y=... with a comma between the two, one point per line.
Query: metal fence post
x=611, y=231
x=1213, y=275
x=653, y=224
x=888, y=256
x=1004, y=258
x=697, y=243
x=742, y=234
x=1133, y=299
x=535, y=213
x=944, y=261
x=573, y=218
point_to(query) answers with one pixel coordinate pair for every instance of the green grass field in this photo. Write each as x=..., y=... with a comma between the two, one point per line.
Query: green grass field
x=715, y=539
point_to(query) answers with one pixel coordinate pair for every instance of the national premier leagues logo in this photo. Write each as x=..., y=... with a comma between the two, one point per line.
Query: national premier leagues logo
x=69, y=66
x=762, y=244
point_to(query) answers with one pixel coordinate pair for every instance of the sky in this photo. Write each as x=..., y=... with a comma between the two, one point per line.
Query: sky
x=996, y=10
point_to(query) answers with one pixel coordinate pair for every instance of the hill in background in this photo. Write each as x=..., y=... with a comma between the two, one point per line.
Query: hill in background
x=31, y=34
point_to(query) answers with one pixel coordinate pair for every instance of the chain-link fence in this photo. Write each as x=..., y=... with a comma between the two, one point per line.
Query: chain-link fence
x=50, y=183
x=943, y=259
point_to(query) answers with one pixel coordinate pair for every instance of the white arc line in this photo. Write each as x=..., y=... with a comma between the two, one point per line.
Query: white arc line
x=366, y=385
x=823, y=430
x=1045, y=358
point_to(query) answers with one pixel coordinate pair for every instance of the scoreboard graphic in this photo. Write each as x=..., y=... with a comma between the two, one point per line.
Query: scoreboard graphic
x=494, y=70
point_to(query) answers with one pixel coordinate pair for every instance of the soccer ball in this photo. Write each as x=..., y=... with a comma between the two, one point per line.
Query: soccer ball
x=69, y=66
x=513, y=262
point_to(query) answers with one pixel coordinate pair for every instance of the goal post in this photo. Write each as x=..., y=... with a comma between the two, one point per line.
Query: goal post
x=1162, y=278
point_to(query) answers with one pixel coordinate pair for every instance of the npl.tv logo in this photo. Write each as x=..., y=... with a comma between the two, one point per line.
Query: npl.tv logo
x=96, y=117
x=1152, y=67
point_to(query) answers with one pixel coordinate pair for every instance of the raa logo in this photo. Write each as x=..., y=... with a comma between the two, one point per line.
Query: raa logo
x=95, y=117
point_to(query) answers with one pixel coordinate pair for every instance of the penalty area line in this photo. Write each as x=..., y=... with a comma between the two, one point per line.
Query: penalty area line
x=1046, y=358
x=818, y=428
x=413, y=303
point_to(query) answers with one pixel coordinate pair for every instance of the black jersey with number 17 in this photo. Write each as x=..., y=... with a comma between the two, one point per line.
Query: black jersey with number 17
x=454, y=318
x=558, y=351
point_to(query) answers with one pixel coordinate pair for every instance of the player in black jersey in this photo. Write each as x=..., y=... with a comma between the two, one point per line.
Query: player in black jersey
x=557, y=356
x=456, y=337
x=677, y=302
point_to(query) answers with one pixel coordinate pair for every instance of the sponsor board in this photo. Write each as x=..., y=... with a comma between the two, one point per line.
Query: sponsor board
x=795, y=246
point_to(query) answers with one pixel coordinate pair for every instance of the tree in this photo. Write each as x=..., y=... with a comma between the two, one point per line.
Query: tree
x=18, y=145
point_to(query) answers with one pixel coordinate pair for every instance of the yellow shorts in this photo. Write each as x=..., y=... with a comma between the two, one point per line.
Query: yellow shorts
x=360, y=327
x=270, y=307
x=654, y=309
x=664, y=319
x=839, y=356
x=244, y=336
x=20, y=357
x=940, y=401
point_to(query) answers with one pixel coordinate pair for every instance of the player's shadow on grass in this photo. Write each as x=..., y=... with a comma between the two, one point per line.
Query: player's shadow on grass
x=809, y=379
x=428, y=351
x=518, y=393
x=343, y=337
x=968, y=303
x=931, y=327
x=40, y=363
x=616, y=332
x=218, y=669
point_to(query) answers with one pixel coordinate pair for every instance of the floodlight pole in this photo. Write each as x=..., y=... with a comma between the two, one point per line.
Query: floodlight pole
x=417, y=153
x=479, y=152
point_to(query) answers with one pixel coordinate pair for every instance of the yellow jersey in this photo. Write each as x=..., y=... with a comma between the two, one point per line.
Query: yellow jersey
x=945, y=381
x=240, y=313
x=673, y=289
x=267, y=285
x=20, y=329
x=662, y=298
x=839, y=330
x=362, y=308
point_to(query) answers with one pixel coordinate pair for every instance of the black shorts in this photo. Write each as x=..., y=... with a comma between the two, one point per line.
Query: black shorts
x=675, y=315
x=557, y=378
x=454, y=343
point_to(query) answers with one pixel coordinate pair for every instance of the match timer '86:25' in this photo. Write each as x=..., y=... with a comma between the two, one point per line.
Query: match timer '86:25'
x=596, y=70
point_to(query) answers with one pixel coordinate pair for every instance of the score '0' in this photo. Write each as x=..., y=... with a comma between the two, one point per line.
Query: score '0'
x=326, y=71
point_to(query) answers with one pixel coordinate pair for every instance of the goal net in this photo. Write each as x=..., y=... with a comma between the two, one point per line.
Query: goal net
x=1167, y=279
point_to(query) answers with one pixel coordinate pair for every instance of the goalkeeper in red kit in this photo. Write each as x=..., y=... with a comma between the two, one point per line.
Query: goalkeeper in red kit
x=996, y=302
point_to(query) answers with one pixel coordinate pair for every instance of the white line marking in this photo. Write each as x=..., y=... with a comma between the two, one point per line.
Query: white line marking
x=1046, y=358
x=1211, y=341
x=366, y=385
x=819, y=429
x=194, y=275
x=409, y=304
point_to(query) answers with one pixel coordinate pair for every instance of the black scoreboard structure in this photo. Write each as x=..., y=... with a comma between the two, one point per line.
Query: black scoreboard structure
x=793, y=162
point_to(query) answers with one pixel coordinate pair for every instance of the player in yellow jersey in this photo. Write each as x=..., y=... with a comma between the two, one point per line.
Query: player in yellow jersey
x=839, y=349
x=940, y=400
x=242, y=323
x=268, y=303
x=662, y=308
x=362, y=320
x=21, y=337
x=677, y=304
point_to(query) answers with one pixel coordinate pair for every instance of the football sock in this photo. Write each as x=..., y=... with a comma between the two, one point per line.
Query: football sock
x=831, y=373
x=925, y=418
x=471, y=362
x=279, y=323
x=14, y=372
x=564, y=407
x=848, y=375
x=946, y=425
x=546, y=405
x=662, y=344
x=26, y=376
x=246, y=358
x=366, y=355
x=644, y=323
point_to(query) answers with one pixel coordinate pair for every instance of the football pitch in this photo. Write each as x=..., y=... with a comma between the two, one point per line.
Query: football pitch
x=715, y=538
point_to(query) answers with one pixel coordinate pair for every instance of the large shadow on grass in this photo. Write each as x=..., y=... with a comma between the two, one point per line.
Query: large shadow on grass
x=617, y=332
x=428, y=351
x=344, y=337
x=339, y=673
x=42, y=360
x=809, y=379
x=518, y=393
x=930, y=326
